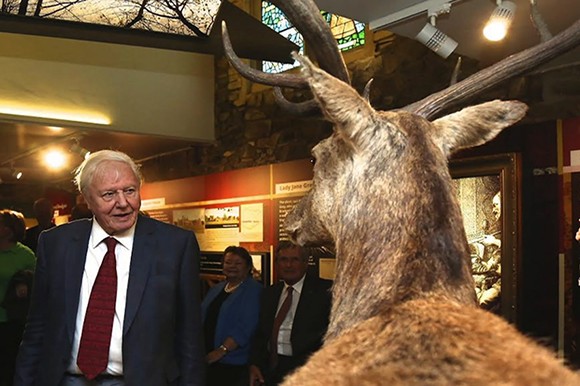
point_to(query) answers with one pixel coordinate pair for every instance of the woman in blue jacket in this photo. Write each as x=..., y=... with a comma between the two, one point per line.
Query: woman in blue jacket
x=230, y=315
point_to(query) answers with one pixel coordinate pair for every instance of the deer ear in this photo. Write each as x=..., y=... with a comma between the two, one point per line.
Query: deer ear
x=476, y=125
x=339, y=102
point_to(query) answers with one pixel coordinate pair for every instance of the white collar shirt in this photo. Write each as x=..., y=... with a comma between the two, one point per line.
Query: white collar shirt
x=284, y=335
x=95, y=254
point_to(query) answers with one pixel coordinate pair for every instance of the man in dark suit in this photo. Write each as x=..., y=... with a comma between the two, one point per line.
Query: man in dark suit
x=154, y=328
x=300, y=331
x=44, y=213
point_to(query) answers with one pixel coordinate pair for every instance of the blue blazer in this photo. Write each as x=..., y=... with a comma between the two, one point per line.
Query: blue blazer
x=238, y=318
x=162, y=335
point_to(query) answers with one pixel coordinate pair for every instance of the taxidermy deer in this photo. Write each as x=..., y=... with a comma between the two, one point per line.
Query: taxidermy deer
x=404, y=310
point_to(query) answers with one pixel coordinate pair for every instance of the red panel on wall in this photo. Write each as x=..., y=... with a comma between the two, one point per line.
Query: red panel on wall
x=238, y=183
x=176, y=191
x=226, y=185
x=300, y=170
x=570, y=138
x=62, y=200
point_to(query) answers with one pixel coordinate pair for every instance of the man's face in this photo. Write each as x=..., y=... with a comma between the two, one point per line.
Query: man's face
x=113, y=196
x=290, y=266
x=496, y=202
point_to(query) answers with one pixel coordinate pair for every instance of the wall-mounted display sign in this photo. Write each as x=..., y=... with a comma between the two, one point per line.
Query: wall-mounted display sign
x=245, y=207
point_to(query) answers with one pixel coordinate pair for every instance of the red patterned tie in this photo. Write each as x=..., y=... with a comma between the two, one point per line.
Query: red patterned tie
x=280, y=316
x=98, y=325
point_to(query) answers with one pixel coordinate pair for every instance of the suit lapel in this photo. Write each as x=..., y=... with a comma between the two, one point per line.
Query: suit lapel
x=74, y=266
x=142, y=257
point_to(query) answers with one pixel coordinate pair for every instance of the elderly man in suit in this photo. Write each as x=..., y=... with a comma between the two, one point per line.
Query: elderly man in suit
x=293, y=318
x=116, y=298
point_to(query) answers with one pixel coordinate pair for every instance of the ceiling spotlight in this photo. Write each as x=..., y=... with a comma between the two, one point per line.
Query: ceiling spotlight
x=16, y=173
x=500, y=20
x=78, y=149
x=436, y=40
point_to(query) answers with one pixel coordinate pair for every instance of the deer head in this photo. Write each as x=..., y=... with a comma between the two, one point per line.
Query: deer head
x=397, y=155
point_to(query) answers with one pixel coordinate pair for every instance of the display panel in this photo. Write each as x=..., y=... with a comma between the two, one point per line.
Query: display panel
x=488, y=189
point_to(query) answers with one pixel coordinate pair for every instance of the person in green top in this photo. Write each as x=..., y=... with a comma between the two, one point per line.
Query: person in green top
x=15, y=258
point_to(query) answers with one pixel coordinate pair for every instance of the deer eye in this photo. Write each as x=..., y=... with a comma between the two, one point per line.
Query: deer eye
x=313, y=160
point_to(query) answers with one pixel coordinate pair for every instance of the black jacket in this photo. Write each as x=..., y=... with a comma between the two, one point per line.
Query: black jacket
x=310, y=321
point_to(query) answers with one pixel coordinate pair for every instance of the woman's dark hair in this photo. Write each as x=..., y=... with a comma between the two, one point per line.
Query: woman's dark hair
x=242, y=252
x=15, y=222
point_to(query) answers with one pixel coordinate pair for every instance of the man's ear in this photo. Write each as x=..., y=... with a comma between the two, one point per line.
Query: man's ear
x=476, y=125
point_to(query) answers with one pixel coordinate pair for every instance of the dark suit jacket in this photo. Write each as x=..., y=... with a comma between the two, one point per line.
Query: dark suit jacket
x=31, y=236
x=162, y=339
x=309, y=325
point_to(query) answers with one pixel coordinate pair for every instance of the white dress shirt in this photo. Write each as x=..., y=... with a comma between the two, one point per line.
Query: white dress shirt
x=95, y=255
x=284, y=344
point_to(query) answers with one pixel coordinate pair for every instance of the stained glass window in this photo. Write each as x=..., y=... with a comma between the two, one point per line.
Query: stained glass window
x=348, y=33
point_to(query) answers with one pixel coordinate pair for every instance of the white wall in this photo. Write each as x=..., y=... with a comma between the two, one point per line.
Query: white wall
x=141, y=90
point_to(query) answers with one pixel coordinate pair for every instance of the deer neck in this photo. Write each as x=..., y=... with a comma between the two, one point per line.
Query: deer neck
x=396, y=255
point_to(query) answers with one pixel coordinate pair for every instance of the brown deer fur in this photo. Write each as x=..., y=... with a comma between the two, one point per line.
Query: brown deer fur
x=404, y=311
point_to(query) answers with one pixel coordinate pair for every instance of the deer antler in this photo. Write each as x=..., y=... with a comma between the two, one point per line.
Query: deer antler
x=305, y=16
x=456, y=71
x=281, y=80
x=491, y=76
x=539, y=22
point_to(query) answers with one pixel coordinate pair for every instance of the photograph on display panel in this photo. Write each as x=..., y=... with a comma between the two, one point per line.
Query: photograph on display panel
x=488, y=192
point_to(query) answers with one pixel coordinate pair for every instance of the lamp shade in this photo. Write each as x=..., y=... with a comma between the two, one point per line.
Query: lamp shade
x=436, y=40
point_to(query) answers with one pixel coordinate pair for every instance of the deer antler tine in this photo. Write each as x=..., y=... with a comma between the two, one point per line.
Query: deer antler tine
x=456, y=70
x=283, y=80
x=305, y=17
x=539, y=22
x=309, y=107
x=491, y=76
x=367, y=91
